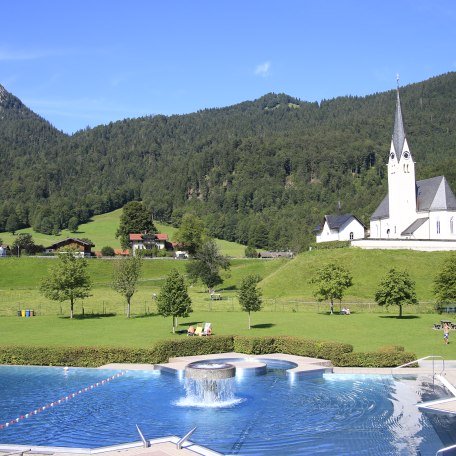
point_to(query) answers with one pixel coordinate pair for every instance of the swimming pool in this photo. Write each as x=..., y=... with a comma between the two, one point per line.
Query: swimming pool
x=331, y=414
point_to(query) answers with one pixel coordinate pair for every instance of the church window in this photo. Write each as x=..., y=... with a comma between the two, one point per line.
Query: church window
x=451, y=225
x=394, y=229
x=388, y=232
x=404, y=167
x=351, y=234
x=438, y=226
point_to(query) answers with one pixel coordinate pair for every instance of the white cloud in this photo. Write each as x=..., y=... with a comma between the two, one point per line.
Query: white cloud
x=263, y=69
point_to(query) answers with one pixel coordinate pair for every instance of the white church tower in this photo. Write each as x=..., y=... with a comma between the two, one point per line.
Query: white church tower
x=412, y=210
x=401, y=179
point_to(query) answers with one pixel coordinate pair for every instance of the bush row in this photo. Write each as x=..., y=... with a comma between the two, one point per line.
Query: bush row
x=373, y=359
x=339, y=354
x=329, y=245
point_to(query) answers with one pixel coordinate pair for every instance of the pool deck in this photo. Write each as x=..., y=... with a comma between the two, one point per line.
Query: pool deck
x=168, y=446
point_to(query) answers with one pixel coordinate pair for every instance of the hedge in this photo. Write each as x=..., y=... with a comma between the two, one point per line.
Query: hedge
x=373, y=359
x=74, y=356
x=192, y=346
x=339, y=354
x=329, y=245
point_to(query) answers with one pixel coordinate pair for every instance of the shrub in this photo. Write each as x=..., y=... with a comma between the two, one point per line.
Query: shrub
x=391, y=348
x=329, y=245
x=250, y=252
x=190, y=346
x=254, y=345
x=74, y=356
x=374, y=359
x=107, y=251
x=311, y=348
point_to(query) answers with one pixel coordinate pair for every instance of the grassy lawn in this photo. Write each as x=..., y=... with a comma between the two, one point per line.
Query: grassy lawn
x=287, y=310
x=365, y=331
x=102, y=232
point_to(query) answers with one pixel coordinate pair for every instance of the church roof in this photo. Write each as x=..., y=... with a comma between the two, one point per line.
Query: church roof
x=414, y=226
x=432, y=194
x=382, y=210
x=335, y=222
x=398, y=132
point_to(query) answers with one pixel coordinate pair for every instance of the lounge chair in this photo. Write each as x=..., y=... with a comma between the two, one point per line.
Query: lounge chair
x=199, y=331
x=207, y=330
x=191, y=331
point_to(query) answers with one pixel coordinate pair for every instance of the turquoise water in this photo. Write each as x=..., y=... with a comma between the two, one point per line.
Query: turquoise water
x=332, y=414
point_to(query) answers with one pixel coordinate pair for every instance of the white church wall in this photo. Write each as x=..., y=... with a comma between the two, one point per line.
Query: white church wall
x=442, y=224
x=327, y=235
x=351, y=230
x=405, y=244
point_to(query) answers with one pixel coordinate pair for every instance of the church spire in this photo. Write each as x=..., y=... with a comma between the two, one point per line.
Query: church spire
x=399, y=132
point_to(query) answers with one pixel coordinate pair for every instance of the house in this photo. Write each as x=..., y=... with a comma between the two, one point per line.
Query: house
x=83, y=246
x=148, y=241
x=344, y=227
x=4, y=250
x=413, y=210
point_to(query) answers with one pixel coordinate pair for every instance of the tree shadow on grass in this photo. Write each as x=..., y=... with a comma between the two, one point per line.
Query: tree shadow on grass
x=191, y=323
x=90, y=316
x=231, y=287
x=397, y=317
x=149, y=315
x=263, y=325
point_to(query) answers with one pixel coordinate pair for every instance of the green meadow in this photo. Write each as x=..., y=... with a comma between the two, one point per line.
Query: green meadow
x=289, y=306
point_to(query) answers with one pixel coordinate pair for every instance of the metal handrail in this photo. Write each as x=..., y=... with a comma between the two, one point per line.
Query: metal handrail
x=433, y=357
x=145, y=442
x=442, y=451
x=184, y=438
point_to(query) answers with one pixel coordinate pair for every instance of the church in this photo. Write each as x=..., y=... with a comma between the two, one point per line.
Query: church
x=418, y=210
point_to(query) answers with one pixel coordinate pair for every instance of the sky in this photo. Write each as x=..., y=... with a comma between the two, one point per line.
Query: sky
x=82, y=63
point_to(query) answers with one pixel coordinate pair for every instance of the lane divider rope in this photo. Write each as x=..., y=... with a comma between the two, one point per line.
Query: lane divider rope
x=61, y=401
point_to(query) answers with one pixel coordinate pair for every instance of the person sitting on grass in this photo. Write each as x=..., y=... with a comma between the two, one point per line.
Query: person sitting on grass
x=191, y=331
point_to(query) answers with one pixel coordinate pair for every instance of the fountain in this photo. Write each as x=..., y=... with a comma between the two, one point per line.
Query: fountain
x=209, y=384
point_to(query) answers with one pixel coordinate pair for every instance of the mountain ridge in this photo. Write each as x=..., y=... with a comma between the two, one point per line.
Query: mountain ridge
x=261, y=172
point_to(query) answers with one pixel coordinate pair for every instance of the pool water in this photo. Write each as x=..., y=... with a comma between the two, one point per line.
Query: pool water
x=331, y=414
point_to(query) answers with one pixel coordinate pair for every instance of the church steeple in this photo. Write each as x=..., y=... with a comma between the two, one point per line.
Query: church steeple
x=398, y=132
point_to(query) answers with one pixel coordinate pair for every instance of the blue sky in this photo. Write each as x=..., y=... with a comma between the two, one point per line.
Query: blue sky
x=83, y=63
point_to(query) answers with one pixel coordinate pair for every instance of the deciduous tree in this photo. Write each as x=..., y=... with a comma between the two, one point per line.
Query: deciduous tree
x=445, y=283
x=135, y=218
x=330, y=282
x=250, y=295
x=68, y=279
x=396, y=288
x=191, y=233
x=206, y=265
x=125, y=278
x=73, y=224
x=173, y=299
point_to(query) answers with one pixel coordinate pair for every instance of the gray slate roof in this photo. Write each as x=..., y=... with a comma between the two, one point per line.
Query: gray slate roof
x=398, y=132
x=414, y=226
x=432, y=194
x=335, y=222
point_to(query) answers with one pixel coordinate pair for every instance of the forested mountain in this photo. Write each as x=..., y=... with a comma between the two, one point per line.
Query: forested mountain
x=261, y=172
